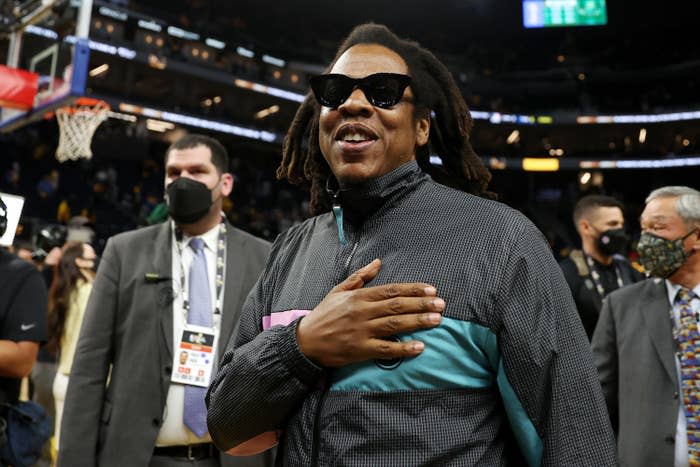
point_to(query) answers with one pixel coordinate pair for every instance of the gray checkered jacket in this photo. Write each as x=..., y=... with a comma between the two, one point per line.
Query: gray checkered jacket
x=506, y=379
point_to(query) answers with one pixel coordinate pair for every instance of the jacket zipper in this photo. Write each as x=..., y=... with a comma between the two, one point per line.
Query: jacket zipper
x=315, y=445
x=316, y=441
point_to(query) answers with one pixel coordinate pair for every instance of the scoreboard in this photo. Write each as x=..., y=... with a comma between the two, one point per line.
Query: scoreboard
x=555, y=13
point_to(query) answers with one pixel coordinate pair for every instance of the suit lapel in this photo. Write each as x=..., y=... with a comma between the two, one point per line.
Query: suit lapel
x=656, y=312
x=235, y=271
x=163, y=288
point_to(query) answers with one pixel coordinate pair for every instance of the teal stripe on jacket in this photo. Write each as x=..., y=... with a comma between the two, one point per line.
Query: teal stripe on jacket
x=458, y=354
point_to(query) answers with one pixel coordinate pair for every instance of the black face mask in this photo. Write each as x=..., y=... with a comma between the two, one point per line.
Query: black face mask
x=613, y=241
x=188, y=200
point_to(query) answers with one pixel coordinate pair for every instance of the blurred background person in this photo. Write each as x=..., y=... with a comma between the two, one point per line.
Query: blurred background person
x=46, y=255
x=22, y=322
x=68, y=297
x=600, y=266
x=127, y=403
x=646, y=343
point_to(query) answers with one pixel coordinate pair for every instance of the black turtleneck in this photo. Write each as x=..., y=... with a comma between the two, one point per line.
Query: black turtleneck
x=359, y=200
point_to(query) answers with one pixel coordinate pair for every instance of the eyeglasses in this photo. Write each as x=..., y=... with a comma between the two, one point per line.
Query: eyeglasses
x=383, y=90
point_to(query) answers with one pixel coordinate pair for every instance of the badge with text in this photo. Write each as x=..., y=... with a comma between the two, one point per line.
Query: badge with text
x=193, y=359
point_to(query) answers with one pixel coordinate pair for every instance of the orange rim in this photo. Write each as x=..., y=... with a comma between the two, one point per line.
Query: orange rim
x=81, y=103
x=88, y=101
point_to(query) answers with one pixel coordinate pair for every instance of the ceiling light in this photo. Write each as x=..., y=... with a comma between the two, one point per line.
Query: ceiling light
x=642, y=135
x=159, y=125
x=267, y=112
x=513, y=137
x=156, y=62
x=97, y=71
x=245, y=52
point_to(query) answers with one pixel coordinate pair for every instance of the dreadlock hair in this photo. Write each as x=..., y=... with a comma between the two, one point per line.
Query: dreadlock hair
x=436, y=95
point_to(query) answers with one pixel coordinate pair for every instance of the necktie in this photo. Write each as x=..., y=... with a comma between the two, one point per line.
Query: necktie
x=689, y=347
x=200, y=311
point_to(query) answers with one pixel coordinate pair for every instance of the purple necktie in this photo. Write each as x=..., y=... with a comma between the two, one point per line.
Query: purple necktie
x=200, y=314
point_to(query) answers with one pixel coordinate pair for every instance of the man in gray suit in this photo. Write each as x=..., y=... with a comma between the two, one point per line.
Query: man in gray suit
x=130, y=401
x=640, y=344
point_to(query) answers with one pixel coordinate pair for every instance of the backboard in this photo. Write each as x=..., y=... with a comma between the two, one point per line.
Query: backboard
x=62, y=69
x=49, y=41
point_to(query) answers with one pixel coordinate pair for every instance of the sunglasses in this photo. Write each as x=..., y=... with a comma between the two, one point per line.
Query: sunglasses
x=383, y=90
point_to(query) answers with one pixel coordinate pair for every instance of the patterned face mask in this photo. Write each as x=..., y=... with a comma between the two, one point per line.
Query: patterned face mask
x=662, y=257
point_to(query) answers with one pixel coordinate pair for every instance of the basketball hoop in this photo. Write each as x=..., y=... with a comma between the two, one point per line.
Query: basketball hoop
x=77, y=124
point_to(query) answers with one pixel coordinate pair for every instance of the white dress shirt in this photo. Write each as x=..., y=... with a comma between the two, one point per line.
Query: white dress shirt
x=173, y=432
x=681, y=454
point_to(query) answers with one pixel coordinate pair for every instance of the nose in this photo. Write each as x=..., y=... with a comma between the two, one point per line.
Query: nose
x=356, y=104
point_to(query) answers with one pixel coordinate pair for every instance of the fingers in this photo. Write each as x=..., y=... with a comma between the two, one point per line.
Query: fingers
x=387, y=350
x=403, y=306
x=391, y=291
x=360, y=277
x=396, y=324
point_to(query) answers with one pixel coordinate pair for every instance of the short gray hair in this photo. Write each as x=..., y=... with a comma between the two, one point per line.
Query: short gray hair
x=688, y=205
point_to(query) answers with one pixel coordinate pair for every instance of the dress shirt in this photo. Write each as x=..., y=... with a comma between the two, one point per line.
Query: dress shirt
x=173, y=432
x=681, y=455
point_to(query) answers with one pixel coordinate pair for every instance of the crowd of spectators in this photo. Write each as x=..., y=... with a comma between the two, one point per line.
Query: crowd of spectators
x=118, y=195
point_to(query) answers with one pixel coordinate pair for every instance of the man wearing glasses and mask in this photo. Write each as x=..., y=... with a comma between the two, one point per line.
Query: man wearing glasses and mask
x=412, y=321
x=600, y=266
x=646, y=344
x=161, y=290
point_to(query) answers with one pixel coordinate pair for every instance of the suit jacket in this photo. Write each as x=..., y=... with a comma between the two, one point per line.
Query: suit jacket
x=633, y=350
x=121, y=372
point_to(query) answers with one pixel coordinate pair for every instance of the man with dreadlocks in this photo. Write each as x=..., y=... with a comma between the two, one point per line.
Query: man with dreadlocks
x=408, y=323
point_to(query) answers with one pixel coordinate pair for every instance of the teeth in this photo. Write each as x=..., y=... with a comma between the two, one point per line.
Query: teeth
x=355, y=137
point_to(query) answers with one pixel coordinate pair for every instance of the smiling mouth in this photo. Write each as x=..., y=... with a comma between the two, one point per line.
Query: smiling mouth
x=355, y=135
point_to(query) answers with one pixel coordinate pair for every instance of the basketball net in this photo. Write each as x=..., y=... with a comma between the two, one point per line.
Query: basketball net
x=77, y=124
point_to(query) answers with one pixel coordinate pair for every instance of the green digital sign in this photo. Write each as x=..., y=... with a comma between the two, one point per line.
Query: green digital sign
x=557, y=13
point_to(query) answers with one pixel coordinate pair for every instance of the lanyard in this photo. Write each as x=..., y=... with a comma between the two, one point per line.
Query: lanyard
x=220, y=262
x=595, y=276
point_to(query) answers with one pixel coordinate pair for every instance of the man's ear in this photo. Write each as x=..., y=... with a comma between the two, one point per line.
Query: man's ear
x=422, y=130
x=226, y=184
x=696, y=244
x=584, y=227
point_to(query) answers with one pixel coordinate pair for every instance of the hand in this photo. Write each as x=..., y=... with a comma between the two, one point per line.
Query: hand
x=350, y=323
x=53, y=257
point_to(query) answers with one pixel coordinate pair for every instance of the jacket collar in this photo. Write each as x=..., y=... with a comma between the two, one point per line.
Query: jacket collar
x=360, y=200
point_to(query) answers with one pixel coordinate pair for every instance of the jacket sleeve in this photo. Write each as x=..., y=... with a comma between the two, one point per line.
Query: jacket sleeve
x=605, y=357
x=546, y=376
x=80, y=426
x=263, y=377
